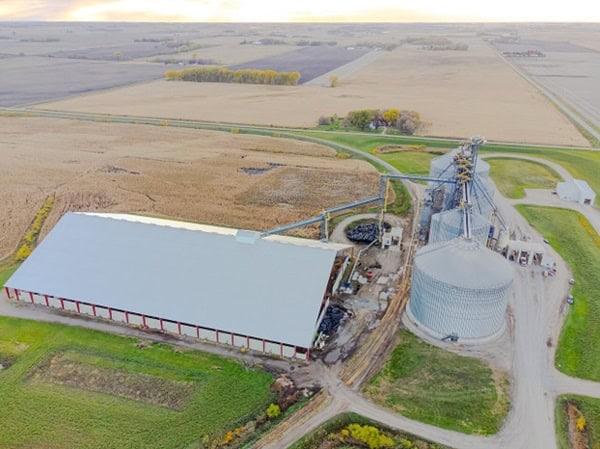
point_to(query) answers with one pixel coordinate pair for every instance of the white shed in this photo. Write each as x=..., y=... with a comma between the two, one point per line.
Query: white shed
x=219, y=284
x=576, y=190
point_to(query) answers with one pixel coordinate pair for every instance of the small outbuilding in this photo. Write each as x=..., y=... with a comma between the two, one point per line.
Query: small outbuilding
x=576, y=190
x=218, y=284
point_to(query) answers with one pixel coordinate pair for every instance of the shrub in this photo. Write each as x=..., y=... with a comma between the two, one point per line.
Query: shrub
x=22, y=253
x=370, y=436
x=273, y=411
x=334, y=81
x=408, y=122
x=581, y=423
x=360, y=119
x=391, y=116
x=324, y=120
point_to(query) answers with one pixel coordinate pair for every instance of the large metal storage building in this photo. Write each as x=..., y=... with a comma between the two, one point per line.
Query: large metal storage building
x=219, y=284
x=460, y=288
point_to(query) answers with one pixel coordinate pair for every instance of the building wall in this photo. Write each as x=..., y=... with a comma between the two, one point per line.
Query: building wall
x=156, y=323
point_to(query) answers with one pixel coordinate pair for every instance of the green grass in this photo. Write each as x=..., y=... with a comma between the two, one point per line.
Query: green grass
x=513, y=176
x=579, y=245
x=6, y=271
x=226, y=394
x=590, y=408
x=412, y=162
x=329, y=431
x=440, y=388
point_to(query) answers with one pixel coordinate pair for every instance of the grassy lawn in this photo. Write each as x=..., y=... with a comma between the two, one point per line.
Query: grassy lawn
x=579, y=245
x=67, y=387
x=441, y=388
x=513, y=176
x=411, y=162
x=331, y=431
x=589, y=408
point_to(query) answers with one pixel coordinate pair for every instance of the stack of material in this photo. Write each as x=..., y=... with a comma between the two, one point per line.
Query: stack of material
x=363, y=233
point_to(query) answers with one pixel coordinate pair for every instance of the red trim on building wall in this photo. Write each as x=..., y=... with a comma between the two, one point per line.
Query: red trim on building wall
x=31, y=298
x=17, y=294
x=7, y=293
x=95, y=307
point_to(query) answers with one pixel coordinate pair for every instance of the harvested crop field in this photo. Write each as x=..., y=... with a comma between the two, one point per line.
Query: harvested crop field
x=458, y=94
x=311, y=62
x=33, y=79
x=202, y=176
x=570, y=71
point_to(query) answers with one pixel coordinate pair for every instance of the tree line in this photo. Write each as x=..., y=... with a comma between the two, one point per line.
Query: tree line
x=225, y=75
x=404, y=121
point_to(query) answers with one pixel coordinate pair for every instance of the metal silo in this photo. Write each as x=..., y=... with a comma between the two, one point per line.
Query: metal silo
x=460, y=288
x=483, y=192
x=443, y=167
x=448, y=225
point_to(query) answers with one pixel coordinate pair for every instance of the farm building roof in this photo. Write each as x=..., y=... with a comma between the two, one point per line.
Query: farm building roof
x=215, y=277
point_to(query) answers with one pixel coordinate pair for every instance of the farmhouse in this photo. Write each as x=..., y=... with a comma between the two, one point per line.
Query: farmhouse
x=576, y=190
x=224, y=285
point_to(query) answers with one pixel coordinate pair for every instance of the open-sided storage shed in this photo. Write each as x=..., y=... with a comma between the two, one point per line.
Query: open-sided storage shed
x=219, y=284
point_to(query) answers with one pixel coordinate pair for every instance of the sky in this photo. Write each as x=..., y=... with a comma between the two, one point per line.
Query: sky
x=303, y=10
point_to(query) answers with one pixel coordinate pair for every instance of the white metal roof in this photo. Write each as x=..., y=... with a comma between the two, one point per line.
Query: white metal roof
x=215, y=277
x=584, y=188
x=579, y=185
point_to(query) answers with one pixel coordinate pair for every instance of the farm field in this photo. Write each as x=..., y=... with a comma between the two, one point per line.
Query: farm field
x=311, y=62
x=33, y=79
x=244, y=181
x=571, y=70
x=458, y=94
x=331, y=431
x=580, y=248
x=589, y=408
x=440, y=388
x=513, y=176
x=113, y=392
